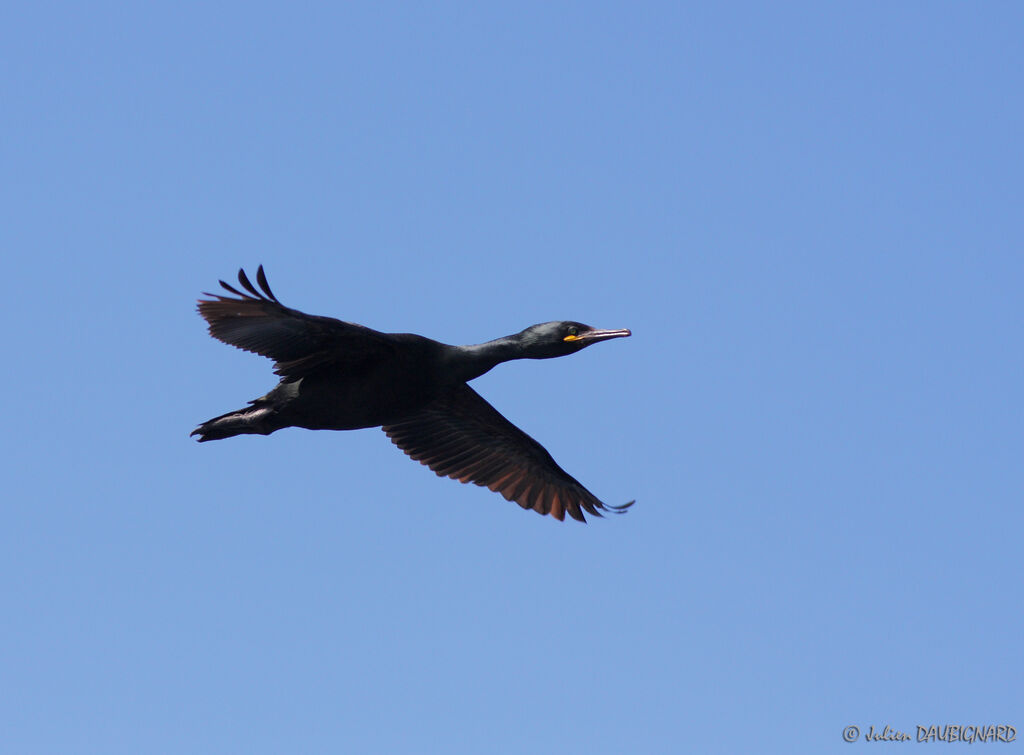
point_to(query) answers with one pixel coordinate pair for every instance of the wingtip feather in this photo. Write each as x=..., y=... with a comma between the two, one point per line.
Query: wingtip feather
x=619, y=509
x=246, y=284
x=261, y=278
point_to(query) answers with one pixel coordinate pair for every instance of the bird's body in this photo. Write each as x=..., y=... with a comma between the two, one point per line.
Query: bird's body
x=342, y=376
x=369, y=394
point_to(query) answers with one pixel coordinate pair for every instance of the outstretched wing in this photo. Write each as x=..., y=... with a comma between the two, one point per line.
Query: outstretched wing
x=256, y=321
x=459, y=435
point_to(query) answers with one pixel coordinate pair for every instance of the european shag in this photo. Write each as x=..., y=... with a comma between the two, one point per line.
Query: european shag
x=341, y=376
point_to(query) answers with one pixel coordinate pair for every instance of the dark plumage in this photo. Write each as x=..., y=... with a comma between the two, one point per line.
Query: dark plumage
x=340, y=376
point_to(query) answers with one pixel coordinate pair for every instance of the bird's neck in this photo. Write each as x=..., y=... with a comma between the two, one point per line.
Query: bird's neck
x=473, y=361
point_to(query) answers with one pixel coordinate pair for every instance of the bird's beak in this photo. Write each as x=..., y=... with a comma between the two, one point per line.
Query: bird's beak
x=592, y=336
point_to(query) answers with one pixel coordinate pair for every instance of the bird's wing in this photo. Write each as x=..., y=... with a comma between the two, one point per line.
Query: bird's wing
x=297, y=342
x=459, y=435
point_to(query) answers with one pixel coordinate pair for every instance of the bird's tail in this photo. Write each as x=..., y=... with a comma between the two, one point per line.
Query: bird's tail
x=252, y=420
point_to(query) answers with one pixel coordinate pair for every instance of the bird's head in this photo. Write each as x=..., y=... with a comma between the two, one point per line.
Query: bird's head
x=556, y=339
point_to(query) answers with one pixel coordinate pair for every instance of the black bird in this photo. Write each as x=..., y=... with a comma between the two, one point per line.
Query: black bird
x=341, y=376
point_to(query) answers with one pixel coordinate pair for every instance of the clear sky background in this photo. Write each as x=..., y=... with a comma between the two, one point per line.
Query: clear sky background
x=808, y=213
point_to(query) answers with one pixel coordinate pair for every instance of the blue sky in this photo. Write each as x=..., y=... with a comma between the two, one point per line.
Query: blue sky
x=810, y=216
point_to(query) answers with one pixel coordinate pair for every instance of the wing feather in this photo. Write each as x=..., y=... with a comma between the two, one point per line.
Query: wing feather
x=461, y=436
x=257, y=322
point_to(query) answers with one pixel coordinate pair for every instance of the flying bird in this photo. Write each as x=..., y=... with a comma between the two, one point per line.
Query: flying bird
x=341, y=376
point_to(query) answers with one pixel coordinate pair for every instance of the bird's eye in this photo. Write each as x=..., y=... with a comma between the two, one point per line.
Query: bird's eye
x=573, y=331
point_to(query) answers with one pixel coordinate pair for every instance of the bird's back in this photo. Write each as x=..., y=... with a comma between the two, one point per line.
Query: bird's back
x=346, y=393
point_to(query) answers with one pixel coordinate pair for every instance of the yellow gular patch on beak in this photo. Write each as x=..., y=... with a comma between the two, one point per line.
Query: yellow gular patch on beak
x=571, y=338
